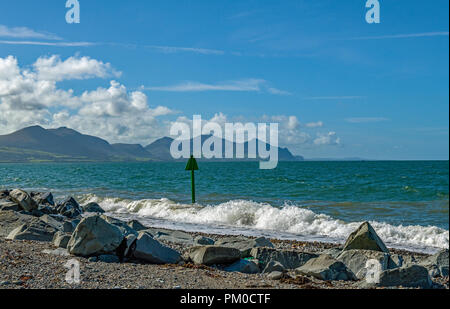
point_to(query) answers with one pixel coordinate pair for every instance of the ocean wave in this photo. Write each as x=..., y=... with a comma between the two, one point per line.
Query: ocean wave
x=263, y=216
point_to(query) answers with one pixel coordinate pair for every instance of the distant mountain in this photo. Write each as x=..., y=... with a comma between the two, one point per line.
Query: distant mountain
x=131, y=150
x=36, y=144
x=160, y=149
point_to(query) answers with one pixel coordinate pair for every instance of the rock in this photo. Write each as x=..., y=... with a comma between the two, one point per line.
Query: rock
x=4, y=194
x=325, y=267
x=61, y=239
x=23, y=199
x=130, y=245
x=94, y=236
x=437, y=264
x=334, y=252
x=273, y=266
x=245, y=245
x=57, y=252
x=275, y=275
x=365, y=238
x=57, y=223
x=288, y=258
x=136, y=225
x=93, y=208
x=356, y=261
x=243, y=266
x=10, y=220
x=108, y=258
x=202, y=240
x=93, y=259
x=152, y=251
x=123, y=227
x=209, y=255
x=177, y=237
x=46, y=210
x=411, y=276
x=9, y=205
x=69, y=208
x=75, y=223
x=43, y=198
x=36, y=230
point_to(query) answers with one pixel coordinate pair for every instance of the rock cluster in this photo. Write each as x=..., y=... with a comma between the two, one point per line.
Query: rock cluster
x=87, y=231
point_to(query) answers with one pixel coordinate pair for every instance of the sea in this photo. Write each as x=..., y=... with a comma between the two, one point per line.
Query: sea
x=407, y=202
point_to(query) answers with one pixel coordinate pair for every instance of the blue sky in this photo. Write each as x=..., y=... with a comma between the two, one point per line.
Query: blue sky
x=339, y=87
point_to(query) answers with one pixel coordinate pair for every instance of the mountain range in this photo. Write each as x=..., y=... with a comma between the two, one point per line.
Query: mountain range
x=36, y=144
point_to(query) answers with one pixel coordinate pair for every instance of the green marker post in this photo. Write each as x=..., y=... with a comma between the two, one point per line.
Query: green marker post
x=192, y=166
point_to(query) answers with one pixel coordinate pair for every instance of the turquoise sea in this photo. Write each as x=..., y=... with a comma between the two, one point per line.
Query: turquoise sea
x=406, y=201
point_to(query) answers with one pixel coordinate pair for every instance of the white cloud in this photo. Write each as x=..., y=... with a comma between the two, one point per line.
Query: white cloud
x=329, y=138
x=293, y=132
x=278, y=91
x=317, y=124
x=38, y=43
x=336, y=98
x=30, y=97
x=403, y=36
x=174, y=49
x=54, y=69
x=248, y=85
x=24, y=32
x=366, y=119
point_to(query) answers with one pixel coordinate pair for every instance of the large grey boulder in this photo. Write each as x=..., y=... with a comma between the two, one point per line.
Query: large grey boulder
x=123, y=226
x=210, y=255
x=36, y=230
x=273, y=266
x=365, y=238
x=243, y=266
x=414, y=276
x=23, y=199
x=437, y=264
x=10, y=220
x=93, y=208
x=152, y=251
x=334, y=252
x=130, y=245
x=6, y=205
x=4, y=194
x=94, y=236
x=136, y=225
x=288, y=258
x=202, y=240
x=58, y=223
x=177, y=237
x=43, y=198
x=61, y=239
x=243, y=244
x=357, y=261
x=325, y=267
x=69, y=208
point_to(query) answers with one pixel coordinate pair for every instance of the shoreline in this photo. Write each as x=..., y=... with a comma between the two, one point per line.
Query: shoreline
x=38, y=237
x=271, y=234
x=23, y=264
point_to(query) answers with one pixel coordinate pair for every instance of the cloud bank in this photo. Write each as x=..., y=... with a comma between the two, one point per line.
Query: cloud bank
x=32, y=95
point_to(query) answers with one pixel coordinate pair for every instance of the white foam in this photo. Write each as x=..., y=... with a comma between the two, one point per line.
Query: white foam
x=261, y=216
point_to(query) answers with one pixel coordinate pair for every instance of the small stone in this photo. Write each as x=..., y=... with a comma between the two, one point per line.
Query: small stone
x=275, y=275
x=92, y=259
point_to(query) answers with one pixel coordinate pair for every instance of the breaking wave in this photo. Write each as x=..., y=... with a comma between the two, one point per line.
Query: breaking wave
x=265, y=217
